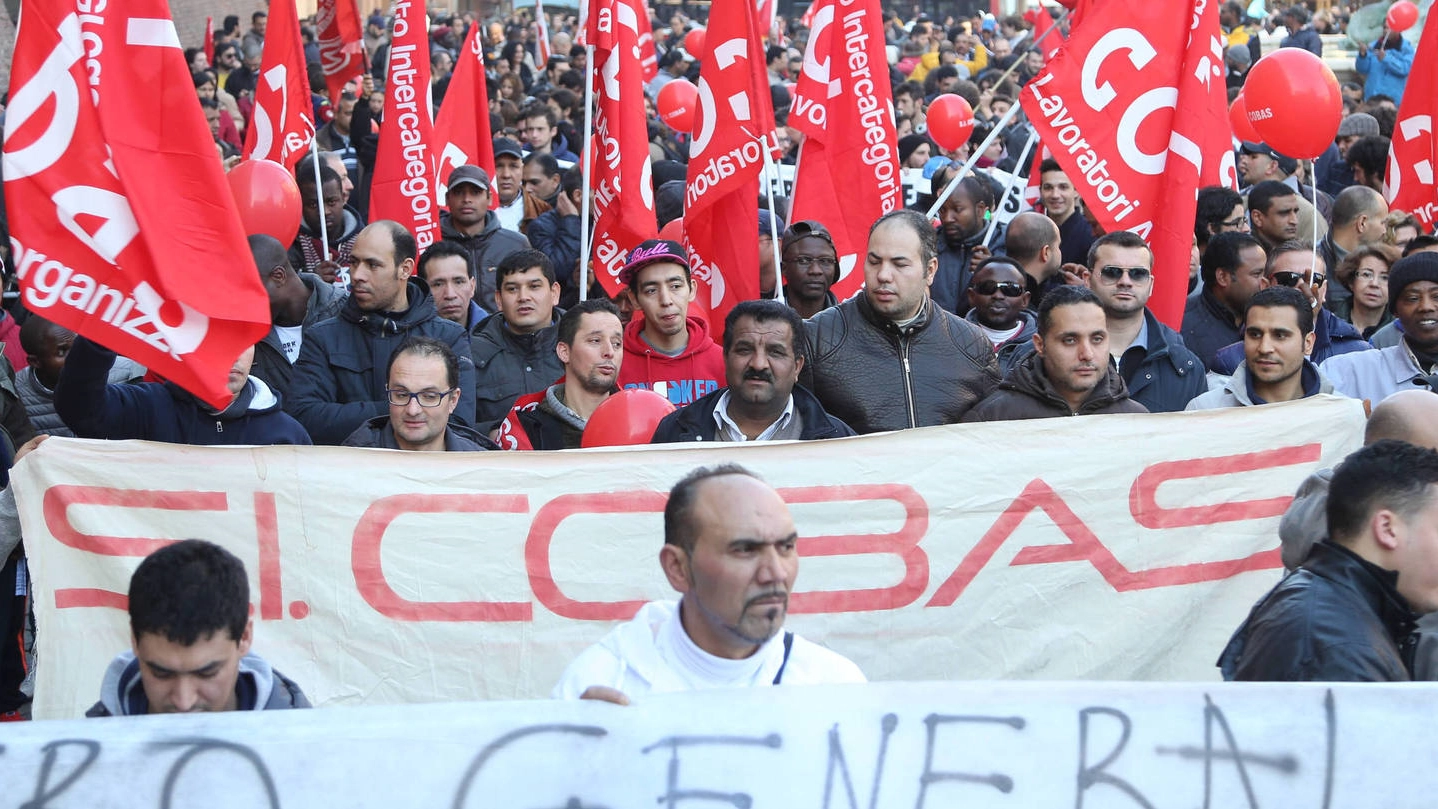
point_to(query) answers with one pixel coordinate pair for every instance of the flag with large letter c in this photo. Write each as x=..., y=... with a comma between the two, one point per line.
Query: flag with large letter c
x=1136, y=113
x=461, y=130
x=1409, y=182
x=282, y=125
x=121, y=221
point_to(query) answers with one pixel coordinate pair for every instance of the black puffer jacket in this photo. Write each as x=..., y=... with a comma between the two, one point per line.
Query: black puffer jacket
x=271, y=364
x=1338, y=618
x=874, y=378
x=1027, y=393
x=509, y=365
x=486, y=249
x=339, y=379
x=695, y=422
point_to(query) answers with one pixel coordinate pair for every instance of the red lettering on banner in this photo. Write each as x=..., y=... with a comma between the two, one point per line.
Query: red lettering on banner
x=1142, y=502
x=90, y=597
x=903, y=543
x=369, y=569
x=267, y=529
x=541, y=535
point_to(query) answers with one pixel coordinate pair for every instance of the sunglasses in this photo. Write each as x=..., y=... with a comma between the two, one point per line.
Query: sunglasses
x=1113, y=274
x=1008, y=288
x=1292, y=279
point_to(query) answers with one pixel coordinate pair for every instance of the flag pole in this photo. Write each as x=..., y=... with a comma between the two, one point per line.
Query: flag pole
x=772, y=174
x=320, y=198
x=1063, y=15
x=973, y=158
x=587, y=162
x=1009, y=186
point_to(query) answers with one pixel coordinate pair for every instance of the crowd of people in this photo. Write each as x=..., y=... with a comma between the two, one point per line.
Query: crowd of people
x=488, y=340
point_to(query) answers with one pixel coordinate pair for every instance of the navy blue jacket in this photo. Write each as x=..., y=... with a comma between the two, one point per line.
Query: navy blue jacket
x=1208, y=326
x=695, y=422
x=1332, y=336
x=1169, y=376
x=339, y=379
x=161, y=411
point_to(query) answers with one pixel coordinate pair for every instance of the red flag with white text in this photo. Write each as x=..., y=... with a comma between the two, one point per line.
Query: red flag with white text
x=848, y=172
x=404, y=184
x=648, y=56
x=282, y=125
x=461, y=130
x=621, y=176
x=542, y=51
x=1409, y=182
x=341, y=38
x=1136, y=113
x=120, y=223
x=734, y=122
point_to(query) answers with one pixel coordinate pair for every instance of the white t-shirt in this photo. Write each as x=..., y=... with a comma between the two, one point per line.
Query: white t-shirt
x=997, y=337
x=512, y=214
x=653, y=654
x=291, y=337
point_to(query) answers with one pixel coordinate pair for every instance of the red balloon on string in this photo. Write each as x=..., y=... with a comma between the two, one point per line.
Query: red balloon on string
x=268, y=199
x=677, y=102
x=951, y=121
x=673, y=230
x=1293, y=102
x=694, y=44
x=1238, y=116
x=1402, y=15
x=628, y=417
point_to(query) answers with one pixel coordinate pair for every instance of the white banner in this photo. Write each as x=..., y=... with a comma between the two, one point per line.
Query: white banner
x=909, y=746
x=915, y=185
x=1107, y=547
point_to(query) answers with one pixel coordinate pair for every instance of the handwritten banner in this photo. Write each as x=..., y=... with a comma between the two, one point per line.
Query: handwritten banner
x=1095, y=745
x=1123, y=547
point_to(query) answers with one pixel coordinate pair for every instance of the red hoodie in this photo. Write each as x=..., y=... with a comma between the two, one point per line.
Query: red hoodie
x=696, y=372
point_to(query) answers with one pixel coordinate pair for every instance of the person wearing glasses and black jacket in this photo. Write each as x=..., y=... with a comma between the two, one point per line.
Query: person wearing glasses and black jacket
x=422, y=388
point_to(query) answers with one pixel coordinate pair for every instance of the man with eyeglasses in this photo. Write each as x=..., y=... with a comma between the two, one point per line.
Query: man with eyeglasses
x=810, y=266
x=1293, y=264
x=1277, y=337
x=1161, y=373
x=1413, y=362
x=1220, y=209
x=998, y=304
x=422, y=385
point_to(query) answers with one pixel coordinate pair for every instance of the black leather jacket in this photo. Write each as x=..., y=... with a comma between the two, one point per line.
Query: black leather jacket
x=1338, y=618
x=873, y=377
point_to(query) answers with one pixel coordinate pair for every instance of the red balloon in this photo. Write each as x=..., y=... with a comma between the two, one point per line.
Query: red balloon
x=268, y=199
x=673, y=230
x=1402, y=15
x=628, y=417
x=694, y=44
x=678, y=101
x=951, y=121
x=1293, y=102
x=1238, y=116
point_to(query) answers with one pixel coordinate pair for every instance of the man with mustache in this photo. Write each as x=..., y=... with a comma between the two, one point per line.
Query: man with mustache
x=729, y=550
x=762, y=400
x=1069, y=373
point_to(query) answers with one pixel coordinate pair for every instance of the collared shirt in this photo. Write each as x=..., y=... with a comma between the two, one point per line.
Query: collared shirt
x=729, y=431
x=1139, y=344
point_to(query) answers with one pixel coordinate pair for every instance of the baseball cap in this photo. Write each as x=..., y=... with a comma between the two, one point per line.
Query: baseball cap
x=473, y=175
x=504, y=146
x=653, y=251
x=764, y=217
x=803, y=230
x=1285, y=163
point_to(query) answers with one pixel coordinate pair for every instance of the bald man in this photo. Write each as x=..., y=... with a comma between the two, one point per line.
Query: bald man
x=297, y=301
x=1358, y=213
x=1410, y=415
x=1033, y=242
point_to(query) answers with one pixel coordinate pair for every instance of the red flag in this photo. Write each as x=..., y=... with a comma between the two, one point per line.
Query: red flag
x=734, y=121
x=210, y=40
x=648, y=57
x=1409, y=183
x=403, y=187
x=1136, y=113
x=461, y=132
x=341, y=44
x=622, y=176
x=282, y=125
x=1045, y=42
x=848, y=172
x=542, y=51
x=120, y=222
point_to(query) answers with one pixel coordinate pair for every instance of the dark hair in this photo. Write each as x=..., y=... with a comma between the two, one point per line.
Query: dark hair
x=427, y=347
x=774, y=52
x=546, y=161
x=569, y=321
x=1292, y=246
x=521, y=260
x=766, y=310
x=1066, y=295
x=443, y=250
x=1392, y=475
x=257, y=16
x=1371, y=154
x=572, y=181
x=919, y=224
x=32, y=334
x=1262, y=195
x=979, y=190
x=327, y=176
x=209, y=104
x=202, y=78
x=1279, y=297
x=1422, y=241
x=538, y=110
x=189, y=591
x=678, y=529
x=1050, y=164
x=1215, y=203
x=1223, y=254
x=912, y=89
x=1119, y=238
x=998, y=261
x=400, y=238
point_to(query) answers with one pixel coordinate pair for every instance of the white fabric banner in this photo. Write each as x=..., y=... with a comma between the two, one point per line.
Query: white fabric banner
x=880, y=746
x=1103, y=547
